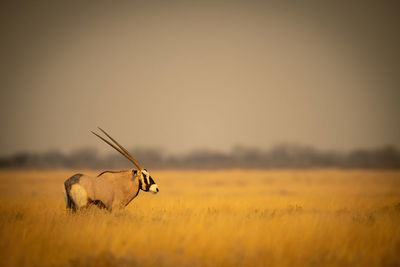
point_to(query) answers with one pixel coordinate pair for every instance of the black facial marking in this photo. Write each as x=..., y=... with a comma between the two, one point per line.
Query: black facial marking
x=152, y=181
x=144, y=178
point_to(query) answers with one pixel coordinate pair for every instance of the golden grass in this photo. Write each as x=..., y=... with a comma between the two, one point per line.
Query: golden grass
x=209, y=218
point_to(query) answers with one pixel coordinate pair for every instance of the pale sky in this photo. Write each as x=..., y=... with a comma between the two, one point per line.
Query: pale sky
x=200, y=75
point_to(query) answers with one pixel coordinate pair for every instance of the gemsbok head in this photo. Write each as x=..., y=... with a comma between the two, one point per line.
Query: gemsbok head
x=110, y=189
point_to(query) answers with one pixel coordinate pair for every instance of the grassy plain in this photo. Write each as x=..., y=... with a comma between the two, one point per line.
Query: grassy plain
x=209, y=218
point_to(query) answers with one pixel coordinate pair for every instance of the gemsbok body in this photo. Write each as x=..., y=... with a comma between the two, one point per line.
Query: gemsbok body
x=110, y=189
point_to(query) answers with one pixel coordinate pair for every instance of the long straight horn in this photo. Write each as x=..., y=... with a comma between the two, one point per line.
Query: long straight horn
x=121, y=149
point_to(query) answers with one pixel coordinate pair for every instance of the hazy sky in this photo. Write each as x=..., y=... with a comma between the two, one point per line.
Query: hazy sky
x=200, y=75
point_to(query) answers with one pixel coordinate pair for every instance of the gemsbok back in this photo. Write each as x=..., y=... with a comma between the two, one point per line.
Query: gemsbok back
x=110, y=189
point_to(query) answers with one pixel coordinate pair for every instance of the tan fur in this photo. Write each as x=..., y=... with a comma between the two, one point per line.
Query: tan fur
x=114, y=189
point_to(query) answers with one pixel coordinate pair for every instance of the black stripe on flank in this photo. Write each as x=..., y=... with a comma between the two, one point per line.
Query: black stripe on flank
x=97, y=203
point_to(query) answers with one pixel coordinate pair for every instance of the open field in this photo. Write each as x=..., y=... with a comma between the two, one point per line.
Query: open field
x=209, y=218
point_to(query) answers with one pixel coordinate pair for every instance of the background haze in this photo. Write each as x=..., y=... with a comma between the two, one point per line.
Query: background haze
x=183, y=76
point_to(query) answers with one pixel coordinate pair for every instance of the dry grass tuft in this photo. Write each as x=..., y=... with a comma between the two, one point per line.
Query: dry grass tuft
x=207, y=218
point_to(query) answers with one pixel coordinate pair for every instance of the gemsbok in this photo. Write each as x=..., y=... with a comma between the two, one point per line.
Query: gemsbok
x=110, y=189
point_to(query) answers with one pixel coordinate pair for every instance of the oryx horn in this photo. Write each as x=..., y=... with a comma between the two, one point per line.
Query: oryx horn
x=122, y=150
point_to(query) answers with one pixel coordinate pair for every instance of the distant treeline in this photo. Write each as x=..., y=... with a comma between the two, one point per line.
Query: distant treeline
x=282, y=156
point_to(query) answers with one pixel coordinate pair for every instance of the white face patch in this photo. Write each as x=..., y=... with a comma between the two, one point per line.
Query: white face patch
x=153, y=188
